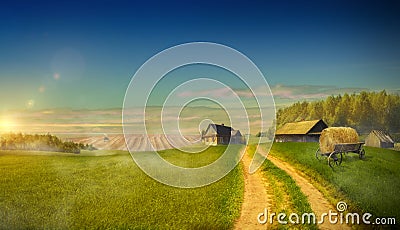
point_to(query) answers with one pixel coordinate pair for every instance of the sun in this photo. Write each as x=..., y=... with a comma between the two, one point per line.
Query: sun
x=7, y=125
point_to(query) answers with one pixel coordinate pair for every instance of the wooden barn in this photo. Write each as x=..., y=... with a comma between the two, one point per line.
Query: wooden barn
x=380, y=139
x=222, y=135
x=304, y=131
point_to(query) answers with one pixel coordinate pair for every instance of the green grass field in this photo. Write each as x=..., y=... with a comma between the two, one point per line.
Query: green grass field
x=371, y=185
x=52, y=190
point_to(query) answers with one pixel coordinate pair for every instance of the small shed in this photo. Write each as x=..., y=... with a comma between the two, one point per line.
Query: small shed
x=221, y=134
x=303, y=131
x=379, y=139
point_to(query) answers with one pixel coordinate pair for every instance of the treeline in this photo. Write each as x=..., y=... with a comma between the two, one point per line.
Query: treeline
x=363, y=111
x=38, y=142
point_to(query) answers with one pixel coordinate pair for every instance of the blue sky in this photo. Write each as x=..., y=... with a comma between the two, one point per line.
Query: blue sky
x=83, y=55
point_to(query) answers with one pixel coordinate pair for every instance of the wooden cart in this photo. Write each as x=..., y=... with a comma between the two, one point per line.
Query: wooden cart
x=336, y=156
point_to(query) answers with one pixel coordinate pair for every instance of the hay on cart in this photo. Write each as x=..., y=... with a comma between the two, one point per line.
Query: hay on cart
x=336, y=135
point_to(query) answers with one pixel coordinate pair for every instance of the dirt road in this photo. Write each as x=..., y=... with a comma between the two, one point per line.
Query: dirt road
x=319, y=204
x=255, y=198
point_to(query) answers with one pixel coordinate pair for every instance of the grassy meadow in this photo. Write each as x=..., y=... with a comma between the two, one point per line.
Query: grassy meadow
x=369, y=185
x=52, y=190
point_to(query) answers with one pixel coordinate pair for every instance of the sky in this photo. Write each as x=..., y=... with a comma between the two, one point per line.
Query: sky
x=83, y=54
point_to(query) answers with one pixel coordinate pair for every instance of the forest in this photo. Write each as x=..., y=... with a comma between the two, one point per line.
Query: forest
x=36, y=142
x=364, y=111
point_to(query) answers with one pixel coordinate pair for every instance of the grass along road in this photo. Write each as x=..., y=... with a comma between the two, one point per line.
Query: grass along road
x=272, y=189
x=286, y=195
x=319, y=204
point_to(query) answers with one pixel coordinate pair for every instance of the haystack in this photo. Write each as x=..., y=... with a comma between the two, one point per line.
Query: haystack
x=336, y=135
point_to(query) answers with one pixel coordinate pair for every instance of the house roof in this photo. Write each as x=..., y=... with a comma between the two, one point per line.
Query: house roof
x=302, y=127
x=236, y=133
x=220, y=129
x=382, y=136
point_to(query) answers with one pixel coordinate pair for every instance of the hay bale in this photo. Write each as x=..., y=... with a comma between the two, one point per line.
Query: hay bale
x=336, y=135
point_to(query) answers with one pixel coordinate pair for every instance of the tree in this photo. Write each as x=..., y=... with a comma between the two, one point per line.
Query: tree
x=37, y=142
x=364, y=111
x=342, y=111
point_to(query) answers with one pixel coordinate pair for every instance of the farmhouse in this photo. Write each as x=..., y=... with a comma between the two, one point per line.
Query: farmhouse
x=221, y=135
x=304, y=131
x=380, y=139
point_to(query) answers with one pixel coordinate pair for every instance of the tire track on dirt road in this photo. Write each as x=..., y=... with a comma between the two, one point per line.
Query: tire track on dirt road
x=319, y=204
x=255, y=198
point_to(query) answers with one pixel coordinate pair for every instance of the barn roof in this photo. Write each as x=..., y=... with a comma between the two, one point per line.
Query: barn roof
x=382, y=136
x=299, y=128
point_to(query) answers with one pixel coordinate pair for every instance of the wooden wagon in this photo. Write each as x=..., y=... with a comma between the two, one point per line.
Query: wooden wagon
x=336, y=156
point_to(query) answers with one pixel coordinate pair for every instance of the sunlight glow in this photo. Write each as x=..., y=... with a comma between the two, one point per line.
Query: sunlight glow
x=7, y=125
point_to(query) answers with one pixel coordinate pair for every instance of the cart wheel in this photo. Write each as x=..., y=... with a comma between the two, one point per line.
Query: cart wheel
x=318, y=154
x=362, y=154
x=335, y=159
